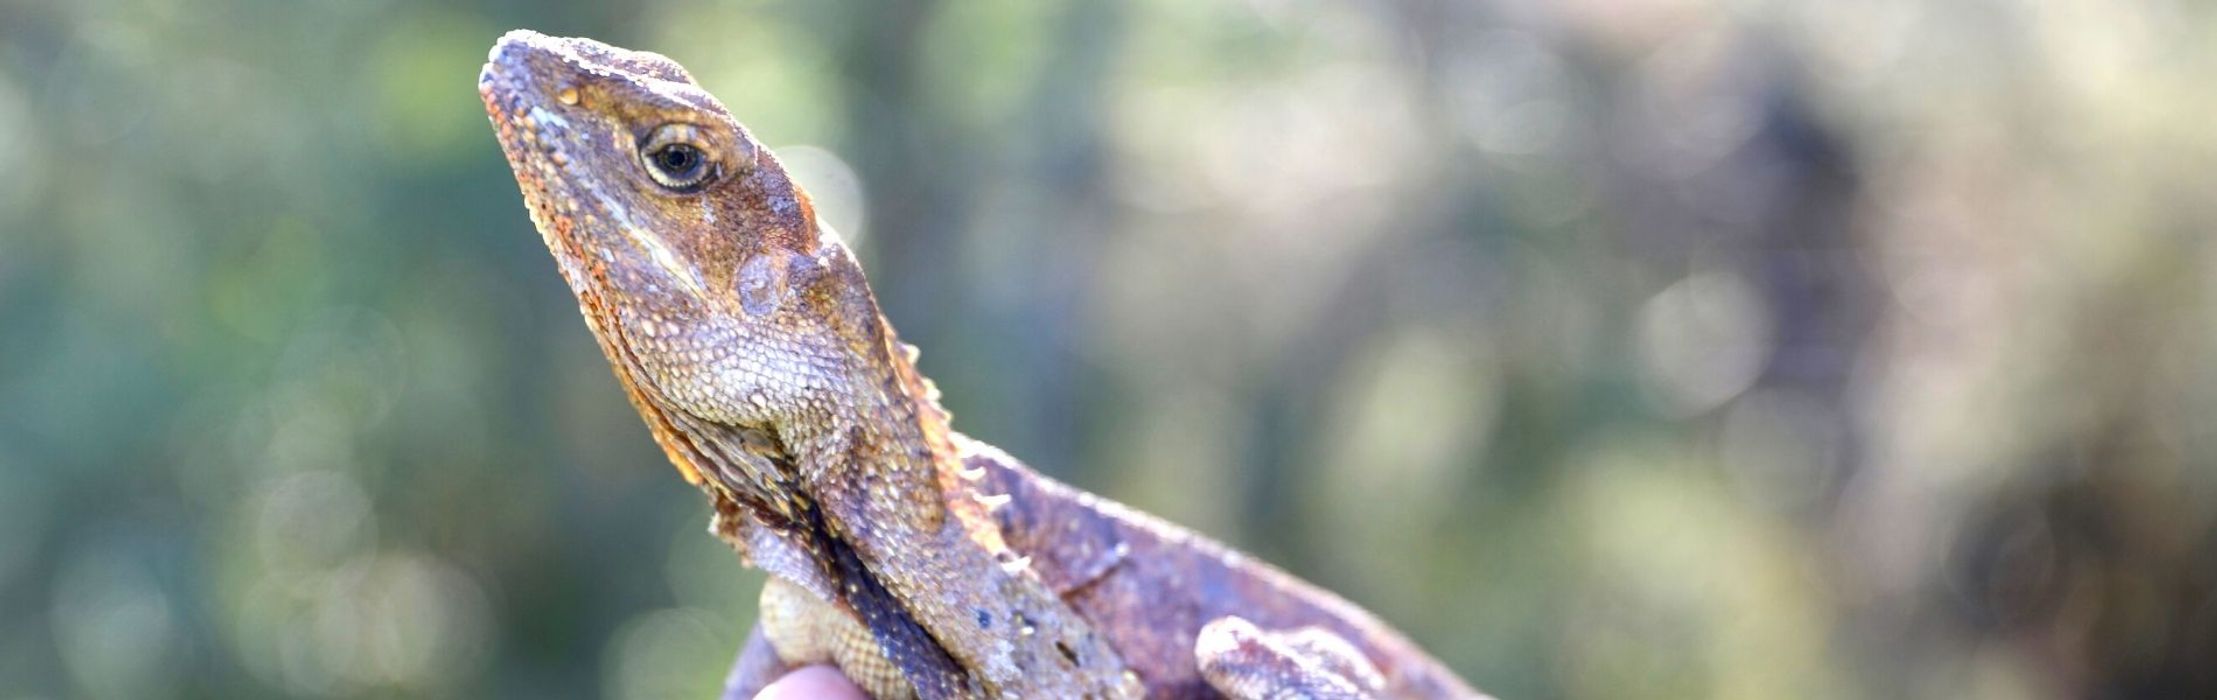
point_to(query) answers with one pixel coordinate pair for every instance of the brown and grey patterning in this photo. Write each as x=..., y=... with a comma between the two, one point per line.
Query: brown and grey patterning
x=923, y=563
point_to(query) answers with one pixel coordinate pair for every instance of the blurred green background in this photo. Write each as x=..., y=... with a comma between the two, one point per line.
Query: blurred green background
x=1653, y=348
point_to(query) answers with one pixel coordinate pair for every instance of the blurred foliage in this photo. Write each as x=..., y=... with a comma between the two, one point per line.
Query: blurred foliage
x=1665, y=348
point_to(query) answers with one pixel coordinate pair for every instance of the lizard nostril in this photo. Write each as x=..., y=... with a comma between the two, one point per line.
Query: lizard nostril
x=1067, y=653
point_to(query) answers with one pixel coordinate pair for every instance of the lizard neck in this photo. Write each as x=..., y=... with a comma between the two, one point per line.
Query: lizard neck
x=886, y=442
x=902, y=436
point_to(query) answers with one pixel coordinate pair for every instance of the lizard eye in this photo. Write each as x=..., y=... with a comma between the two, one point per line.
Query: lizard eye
x=674, y=157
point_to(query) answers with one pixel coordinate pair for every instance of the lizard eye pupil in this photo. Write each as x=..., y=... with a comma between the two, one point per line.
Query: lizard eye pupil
x=677, y=156
x=678, y=160
x=679, y=166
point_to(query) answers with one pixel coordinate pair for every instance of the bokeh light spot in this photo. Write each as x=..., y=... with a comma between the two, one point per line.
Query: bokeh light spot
x=669, y=654
x=115, y=628
x=1702, y=341
x=834, y=189
x=312, y=520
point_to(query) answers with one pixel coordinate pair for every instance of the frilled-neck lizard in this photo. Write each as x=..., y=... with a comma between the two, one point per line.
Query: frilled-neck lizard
x=920, y=562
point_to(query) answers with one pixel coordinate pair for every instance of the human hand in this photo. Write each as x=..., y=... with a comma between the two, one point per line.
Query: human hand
x=812, y=682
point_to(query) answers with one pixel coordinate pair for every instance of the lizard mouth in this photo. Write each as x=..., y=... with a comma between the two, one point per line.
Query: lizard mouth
x=582, y=226
x=531, y=136
x=573, y=156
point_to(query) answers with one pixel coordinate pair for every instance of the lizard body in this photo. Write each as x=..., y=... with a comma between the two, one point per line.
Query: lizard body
x=920, y=561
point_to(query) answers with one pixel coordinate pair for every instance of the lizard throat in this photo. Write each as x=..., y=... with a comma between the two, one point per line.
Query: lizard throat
x=906, y=643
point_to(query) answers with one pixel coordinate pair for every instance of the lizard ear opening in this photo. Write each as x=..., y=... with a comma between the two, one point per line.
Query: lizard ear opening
x=762, y=282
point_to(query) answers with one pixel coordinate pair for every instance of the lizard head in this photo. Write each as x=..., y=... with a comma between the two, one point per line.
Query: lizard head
x=697, y=261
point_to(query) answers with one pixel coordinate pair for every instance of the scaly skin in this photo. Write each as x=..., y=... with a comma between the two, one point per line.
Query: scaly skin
x=923, y=563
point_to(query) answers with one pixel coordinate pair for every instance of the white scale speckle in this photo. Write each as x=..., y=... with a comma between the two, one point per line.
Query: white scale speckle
x=658, y=252
x=542, y=115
